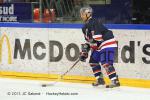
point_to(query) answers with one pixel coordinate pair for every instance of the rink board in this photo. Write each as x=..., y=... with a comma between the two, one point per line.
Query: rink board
x=44, y=51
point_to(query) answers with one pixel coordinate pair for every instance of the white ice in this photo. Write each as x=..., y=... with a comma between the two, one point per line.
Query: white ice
x=16, y=89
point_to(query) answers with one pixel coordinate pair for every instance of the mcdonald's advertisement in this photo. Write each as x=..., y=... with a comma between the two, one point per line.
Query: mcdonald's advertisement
x=15, y=12
x=47, y=50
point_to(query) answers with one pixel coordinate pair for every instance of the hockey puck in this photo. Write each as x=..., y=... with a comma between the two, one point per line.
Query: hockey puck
x=44, y=85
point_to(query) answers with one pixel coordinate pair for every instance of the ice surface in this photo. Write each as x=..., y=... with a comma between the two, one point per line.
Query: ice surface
x=15, y=89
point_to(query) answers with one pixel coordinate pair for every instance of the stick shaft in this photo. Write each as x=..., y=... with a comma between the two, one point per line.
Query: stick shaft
x=70, y=68
x=44, y=85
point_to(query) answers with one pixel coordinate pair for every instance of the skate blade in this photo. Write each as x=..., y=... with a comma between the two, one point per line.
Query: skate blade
x=108, y=86
x=100, y=86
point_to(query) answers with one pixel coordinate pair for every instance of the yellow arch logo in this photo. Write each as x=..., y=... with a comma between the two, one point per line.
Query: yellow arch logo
x=4, y=36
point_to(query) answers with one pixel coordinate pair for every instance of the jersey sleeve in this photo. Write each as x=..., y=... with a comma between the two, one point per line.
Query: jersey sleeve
x=100, y=32
x=95, y=31
x=84, y=32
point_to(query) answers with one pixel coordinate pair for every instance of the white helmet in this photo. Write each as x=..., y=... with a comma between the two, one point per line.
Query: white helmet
x=86, y=10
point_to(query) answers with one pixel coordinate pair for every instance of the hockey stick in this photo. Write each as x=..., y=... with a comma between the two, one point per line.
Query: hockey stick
x=61, y=77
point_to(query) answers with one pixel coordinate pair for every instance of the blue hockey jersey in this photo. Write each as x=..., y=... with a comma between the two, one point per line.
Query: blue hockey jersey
x=96, y=33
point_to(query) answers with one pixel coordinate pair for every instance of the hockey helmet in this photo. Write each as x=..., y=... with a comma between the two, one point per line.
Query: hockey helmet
x=86, y=10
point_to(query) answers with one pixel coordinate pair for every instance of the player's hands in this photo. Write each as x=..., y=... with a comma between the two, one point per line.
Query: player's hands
x=83, y=56
x=94, y=46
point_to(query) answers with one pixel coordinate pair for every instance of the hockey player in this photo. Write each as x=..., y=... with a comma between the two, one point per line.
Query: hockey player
x=102, y=44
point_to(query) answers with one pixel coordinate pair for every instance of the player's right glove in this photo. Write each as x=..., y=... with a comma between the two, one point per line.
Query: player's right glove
x=83, y=56
x=85, y=48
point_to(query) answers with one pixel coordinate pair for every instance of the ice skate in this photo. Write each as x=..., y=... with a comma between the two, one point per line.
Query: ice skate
x=114, y=83
x=100, y=81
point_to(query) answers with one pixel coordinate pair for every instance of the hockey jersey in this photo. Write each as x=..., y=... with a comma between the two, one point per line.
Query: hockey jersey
x=97, y=35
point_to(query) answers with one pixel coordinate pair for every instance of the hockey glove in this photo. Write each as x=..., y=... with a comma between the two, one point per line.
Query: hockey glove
x=83, y=56
x=95, y=44
x=85, y=48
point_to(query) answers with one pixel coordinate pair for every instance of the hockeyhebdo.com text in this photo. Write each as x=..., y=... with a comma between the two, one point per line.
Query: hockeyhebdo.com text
x=61, y=93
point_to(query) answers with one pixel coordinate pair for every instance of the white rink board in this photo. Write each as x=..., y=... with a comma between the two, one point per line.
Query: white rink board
x=24, y=65
x=47, y=36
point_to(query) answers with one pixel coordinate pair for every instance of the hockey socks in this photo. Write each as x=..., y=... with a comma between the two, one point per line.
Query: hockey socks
x=110, y=70
x=98, y=74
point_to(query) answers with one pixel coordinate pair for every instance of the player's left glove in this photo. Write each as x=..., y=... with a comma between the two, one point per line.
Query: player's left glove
x=95, y=44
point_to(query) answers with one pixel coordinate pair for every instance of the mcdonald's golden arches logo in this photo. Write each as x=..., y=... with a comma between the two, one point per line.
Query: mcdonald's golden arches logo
x=5, y=37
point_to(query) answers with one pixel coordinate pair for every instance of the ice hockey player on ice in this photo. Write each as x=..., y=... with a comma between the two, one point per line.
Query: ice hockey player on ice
x=102, y=44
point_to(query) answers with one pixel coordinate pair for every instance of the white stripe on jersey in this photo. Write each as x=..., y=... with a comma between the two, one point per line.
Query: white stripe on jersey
x=110, y=40
x=97, y=37
x=112, y=45
x=107, y=44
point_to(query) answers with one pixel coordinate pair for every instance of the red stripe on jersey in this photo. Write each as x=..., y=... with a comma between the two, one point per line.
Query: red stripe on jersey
x=98, y=38
x=94, y=47
x=108, y=43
